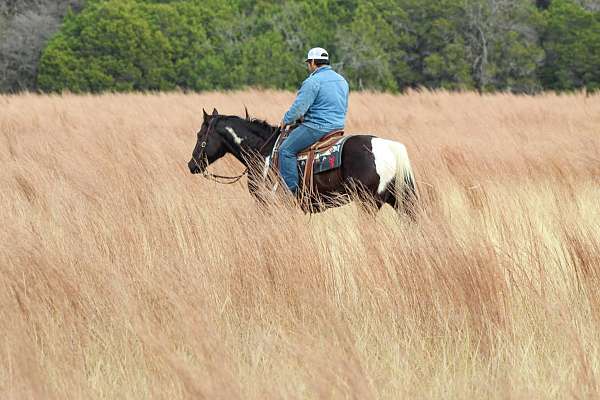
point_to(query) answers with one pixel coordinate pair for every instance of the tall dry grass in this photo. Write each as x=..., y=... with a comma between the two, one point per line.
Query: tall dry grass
x=123, y=276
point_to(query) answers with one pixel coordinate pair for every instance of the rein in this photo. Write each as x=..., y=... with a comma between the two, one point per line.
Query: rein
x=275, y=132
x=228, y=180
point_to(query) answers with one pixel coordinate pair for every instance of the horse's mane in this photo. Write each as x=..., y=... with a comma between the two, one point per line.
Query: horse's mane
x=263, y=126
x=261, y=122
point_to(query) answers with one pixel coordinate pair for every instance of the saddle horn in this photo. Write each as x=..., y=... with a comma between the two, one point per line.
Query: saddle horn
x=247, y=115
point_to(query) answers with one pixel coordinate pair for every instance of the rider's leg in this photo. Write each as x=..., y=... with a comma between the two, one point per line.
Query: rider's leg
x=299, y=139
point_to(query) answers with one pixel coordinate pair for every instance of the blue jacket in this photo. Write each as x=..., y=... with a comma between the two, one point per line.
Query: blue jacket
x=322, y=100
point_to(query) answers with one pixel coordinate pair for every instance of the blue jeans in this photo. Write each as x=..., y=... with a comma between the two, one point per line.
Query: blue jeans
x=299, y=139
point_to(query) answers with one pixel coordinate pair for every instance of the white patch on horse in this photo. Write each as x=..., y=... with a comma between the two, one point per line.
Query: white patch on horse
x=385, y=162
x=389, y=156
x=266, y=167
x=238, y=140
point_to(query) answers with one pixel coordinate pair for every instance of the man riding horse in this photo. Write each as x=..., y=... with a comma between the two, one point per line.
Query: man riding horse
x=373, y=170
x=322, y=102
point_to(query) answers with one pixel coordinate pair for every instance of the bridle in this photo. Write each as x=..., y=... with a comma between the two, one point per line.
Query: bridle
x=222, y=179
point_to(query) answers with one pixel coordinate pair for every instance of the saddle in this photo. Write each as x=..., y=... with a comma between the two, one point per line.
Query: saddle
x=306, y=157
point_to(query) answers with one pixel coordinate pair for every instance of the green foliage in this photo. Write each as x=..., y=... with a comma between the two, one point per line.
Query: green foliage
x=390, y=45
x=571, y=40
x=436, y=51
x=126, y=45
x=502, y=44
x=364, y=48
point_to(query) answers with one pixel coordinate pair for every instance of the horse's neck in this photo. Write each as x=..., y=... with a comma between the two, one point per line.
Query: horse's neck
x=268, y=144
x=262, y=145
x=253, y=145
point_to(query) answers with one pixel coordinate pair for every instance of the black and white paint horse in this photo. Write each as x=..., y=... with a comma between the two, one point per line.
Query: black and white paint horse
x=373, y=170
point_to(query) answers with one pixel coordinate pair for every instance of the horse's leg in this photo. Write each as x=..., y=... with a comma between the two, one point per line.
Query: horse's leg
x=409, y=202
x=257, y=188
x=368, y=201
x=403, y=198
x=358, y=177
x=370, y=206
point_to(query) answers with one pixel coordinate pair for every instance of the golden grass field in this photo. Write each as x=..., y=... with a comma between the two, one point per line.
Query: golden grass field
x=123, y=276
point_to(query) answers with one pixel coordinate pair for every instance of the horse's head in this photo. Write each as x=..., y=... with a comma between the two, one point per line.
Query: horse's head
x=221, y=134
x=209, y=145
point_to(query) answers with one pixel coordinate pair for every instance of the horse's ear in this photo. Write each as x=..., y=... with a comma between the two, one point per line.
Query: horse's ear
x=247, y=115
x=215, y=113
x=205, y=115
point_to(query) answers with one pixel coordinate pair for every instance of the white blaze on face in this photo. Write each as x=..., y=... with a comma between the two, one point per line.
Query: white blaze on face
x=238, y=140
x=388, y=155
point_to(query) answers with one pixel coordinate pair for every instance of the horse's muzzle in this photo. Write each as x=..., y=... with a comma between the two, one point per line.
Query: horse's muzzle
x=194, y=169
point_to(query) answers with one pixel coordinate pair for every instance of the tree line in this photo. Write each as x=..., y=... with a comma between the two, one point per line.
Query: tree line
x=521, y=46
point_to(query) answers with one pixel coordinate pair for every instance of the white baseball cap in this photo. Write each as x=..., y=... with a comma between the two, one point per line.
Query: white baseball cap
x=317, y=53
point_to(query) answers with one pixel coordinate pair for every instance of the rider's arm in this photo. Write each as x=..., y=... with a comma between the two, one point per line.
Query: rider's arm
x=306, y=96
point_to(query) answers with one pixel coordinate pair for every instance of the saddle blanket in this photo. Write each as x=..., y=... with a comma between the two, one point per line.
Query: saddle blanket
x=325, y=160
